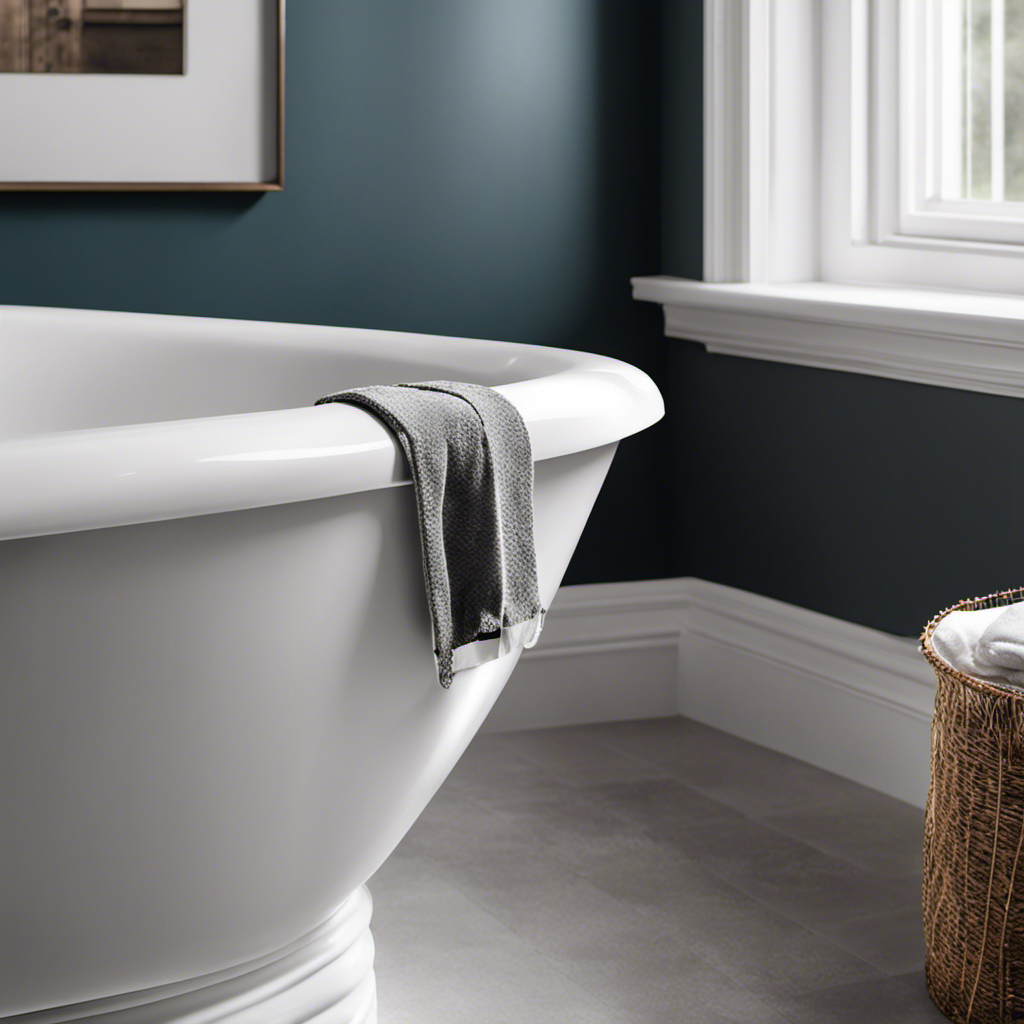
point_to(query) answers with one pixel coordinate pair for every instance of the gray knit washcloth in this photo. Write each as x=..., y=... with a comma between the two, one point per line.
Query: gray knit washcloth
x=472, y=472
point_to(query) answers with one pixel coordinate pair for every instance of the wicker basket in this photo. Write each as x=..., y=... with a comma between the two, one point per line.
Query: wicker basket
x=973, y=897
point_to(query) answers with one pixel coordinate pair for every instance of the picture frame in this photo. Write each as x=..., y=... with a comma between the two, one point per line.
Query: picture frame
x=218, y=127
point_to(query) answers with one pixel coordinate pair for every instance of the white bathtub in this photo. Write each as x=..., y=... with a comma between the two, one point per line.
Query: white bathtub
x=219, y=711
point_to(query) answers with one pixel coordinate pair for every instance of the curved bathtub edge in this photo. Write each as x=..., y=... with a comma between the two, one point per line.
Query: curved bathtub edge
x=117, y=476
x=328, y=968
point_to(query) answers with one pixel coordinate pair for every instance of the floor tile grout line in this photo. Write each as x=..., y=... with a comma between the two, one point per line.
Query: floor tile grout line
x=667, y=925
x=452, y=877
x=745, y=815
x=705, y=792
x=877, y=971
x=550, y=957
x=751, y=818
x=872, y=875
x=664, y=921
x=759, y=819
x=629, y=754
x=523, y=940
x=667, y=772
x=838, y=944
x=800, y=806
x=640, y=762
x=800, y=924
x=834, y=855
x=776, y=911
x=486, y=805
x=730, y=738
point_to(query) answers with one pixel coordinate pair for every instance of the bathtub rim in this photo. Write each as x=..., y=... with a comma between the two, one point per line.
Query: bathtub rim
x=95, y=478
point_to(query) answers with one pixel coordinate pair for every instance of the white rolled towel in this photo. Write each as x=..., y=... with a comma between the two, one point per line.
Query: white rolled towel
x=987, y=643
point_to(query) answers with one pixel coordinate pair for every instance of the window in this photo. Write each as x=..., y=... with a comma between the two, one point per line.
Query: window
x=967, y=58
x=863, y=189
x=929, y=121
x=962, y=120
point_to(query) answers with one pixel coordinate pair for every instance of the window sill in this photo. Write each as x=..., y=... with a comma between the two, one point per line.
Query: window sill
x=968, y=340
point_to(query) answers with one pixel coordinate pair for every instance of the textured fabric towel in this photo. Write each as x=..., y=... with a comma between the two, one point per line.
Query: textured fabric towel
x=472, y=472
x=987, y=643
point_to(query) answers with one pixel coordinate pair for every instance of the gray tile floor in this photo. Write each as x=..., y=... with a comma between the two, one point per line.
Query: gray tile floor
x=656, y=871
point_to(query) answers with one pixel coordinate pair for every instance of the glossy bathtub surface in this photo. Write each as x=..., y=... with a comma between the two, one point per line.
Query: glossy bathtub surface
x=115, y=418
x=217, y=722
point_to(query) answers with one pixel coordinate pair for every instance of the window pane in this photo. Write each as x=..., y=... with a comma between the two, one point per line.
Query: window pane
x=978, y=134
x=1015, y=100
x=978, y=99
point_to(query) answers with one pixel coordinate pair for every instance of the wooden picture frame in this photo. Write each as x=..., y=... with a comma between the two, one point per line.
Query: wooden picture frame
x=250, y=78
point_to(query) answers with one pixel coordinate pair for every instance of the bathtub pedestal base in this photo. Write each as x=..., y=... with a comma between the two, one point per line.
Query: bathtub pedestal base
x=325, y=977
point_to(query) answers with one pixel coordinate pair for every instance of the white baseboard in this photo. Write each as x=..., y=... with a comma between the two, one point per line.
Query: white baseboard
x=609, y=652
x=844, y=697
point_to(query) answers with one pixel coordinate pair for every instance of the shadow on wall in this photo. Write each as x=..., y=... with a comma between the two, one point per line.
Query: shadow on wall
x=632, y=533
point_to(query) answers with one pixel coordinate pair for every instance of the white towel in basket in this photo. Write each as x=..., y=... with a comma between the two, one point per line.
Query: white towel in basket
x=987, y=643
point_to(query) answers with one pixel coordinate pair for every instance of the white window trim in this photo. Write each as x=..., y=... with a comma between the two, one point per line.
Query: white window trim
x=760, y=140
x=924, y=88
x=765, y=294
x=871, y=227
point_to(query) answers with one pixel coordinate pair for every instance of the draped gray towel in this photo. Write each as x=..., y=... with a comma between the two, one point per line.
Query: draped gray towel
x=472, y=472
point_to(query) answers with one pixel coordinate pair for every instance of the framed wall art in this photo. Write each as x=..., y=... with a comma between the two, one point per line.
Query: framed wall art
x=142, y=95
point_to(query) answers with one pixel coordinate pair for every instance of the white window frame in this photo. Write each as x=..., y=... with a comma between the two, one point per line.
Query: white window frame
x=936, y=149
x=834, y=277
x=877, y=226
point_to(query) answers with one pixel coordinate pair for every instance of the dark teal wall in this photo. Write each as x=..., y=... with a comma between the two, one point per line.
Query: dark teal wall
x=682, y=181
x=486, y=169
x=873, y=500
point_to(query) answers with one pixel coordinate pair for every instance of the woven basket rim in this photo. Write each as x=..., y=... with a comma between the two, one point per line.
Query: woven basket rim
x=1001, y=597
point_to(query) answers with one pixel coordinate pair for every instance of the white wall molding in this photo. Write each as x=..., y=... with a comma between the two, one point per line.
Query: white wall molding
x=961, y=340
x=847, y=698
x=761, y=125
x=608, y=652
x=841, y=696
x=725, y=150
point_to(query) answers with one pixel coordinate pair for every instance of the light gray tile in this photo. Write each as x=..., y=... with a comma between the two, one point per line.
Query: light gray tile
x=640, y=880
x=639, y=964
x=585, y=821
x=743, y=775
x=892, y=941
x=568, y=828
x=871, y=830
x=646, y=739
x=453, y=828
x=614, y=952
x=573, y=756
x=664, y=983
x=790, y=877
x=493, y=769
x=442, y=960
x=659, y=804
x=407, y=877
x=893, y=1000
x=760, y=949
